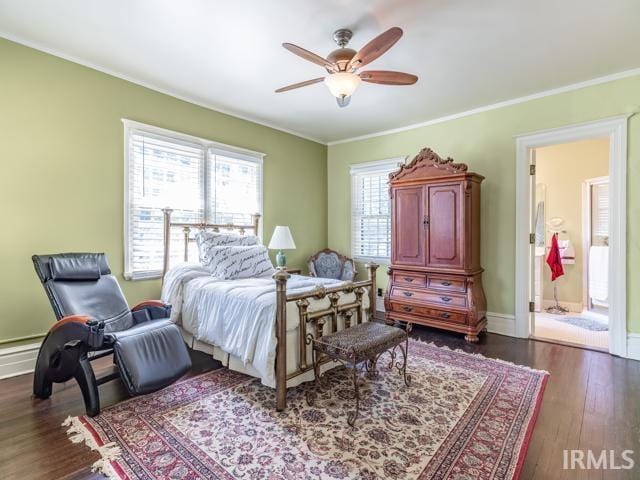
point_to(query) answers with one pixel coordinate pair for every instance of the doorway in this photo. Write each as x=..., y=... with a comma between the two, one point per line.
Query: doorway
x=570, y=199
x=615, y=130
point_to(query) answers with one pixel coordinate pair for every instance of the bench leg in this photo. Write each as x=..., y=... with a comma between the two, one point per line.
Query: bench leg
x=403, y=369
x=372, y=366
x=351, y=419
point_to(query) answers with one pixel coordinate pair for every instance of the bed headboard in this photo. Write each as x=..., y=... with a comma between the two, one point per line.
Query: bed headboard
x=186, y=230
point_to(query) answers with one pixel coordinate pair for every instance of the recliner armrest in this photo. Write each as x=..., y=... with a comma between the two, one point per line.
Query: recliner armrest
x=82, y=319
x=149, y=303
x=78, y=328
x=150, y=310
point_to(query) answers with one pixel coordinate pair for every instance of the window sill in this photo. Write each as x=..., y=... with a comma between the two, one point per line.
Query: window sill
x=138, y=276
x=379, y=261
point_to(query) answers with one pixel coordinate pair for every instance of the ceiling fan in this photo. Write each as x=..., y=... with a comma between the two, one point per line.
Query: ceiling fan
x=343, y=64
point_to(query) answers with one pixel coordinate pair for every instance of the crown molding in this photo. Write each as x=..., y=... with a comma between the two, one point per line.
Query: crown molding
x=151, y=86
x=494, y=106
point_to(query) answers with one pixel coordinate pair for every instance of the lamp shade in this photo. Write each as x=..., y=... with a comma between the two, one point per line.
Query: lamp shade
x=282, y=239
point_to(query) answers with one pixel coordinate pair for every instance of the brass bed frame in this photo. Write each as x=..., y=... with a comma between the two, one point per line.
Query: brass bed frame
x=317, y=319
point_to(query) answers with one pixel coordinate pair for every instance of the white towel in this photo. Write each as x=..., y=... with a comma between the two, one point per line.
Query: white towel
x=599, y=274
x=567, y=252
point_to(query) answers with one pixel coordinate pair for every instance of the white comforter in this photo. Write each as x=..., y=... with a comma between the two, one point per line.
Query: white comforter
x=236, y=315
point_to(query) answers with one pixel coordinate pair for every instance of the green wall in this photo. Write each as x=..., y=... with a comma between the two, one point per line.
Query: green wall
x=485, y=141
x=62, y=167
x=61, y=173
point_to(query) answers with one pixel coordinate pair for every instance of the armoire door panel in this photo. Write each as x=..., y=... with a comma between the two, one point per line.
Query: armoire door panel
x=408, y=210
x=445, y=225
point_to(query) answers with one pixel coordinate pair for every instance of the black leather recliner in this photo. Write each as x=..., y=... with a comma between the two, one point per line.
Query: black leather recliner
x=94, y=321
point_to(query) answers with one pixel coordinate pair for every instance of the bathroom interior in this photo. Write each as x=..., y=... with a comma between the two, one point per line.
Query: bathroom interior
x=572, y=203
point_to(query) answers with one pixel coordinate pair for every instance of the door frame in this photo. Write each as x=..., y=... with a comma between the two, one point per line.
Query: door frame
x=615, y=128
x=586, y=233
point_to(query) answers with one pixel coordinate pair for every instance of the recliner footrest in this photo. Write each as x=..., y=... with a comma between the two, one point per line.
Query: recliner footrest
x=150, y=356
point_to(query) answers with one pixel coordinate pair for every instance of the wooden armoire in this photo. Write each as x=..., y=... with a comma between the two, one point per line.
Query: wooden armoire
x=435, y=277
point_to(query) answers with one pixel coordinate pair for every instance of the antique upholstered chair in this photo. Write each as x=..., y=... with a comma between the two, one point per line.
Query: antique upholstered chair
x=328, y=263
x=94, y=320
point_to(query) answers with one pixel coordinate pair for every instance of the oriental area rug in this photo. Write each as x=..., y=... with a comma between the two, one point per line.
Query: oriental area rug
x=463, y=417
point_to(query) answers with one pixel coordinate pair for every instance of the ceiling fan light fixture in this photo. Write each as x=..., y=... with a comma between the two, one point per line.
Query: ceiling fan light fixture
x=342, y=84
x=341, y=64
x=343, y=101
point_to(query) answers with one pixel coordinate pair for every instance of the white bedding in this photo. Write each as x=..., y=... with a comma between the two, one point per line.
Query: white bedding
x=238, y=316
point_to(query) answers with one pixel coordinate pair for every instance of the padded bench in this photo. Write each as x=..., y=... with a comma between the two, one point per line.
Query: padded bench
x=365, y=342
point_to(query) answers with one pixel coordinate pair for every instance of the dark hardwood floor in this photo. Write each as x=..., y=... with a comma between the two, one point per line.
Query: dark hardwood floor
x=592, y=401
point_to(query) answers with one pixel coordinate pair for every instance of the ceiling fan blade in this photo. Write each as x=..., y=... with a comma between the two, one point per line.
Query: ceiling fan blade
x=310, y=56
x=386, y=77
x=300, y=84
x=376, y=47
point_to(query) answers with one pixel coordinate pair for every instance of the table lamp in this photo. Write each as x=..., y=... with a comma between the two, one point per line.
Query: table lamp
x=281, y=240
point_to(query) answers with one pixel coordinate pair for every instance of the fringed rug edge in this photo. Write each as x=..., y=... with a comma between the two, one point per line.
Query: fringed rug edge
x=81, y=432
x=479, y=355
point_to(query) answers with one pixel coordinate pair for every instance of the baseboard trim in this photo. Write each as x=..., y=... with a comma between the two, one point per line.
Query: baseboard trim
x=501, y=323
x=633, y=346
x=19, y=360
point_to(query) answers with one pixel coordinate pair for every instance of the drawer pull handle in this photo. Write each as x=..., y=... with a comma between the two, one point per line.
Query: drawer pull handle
x=408, y=294
x=445, y=315
x=445, y=283
x=407, y=309
x=445, y=299
x=408, y=279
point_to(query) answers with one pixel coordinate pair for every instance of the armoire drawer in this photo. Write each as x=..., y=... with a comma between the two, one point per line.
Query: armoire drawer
x=429, y=312
x=444, y=298
x=442, y=282
x=410, y=278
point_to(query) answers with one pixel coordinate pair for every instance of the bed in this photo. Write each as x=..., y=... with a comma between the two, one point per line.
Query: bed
x=260, y=326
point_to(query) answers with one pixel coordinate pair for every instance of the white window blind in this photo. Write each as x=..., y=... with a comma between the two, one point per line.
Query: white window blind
x=198, y=179
x=235, y=186
x=371, y=209
x=599, y=213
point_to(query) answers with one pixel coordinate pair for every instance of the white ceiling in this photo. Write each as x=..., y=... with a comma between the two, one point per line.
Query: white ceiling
x=226, y=53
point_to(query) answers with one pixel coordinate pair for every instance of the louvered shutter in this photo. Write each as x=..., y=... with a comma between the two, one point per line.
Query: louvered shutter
x=371, y=210
x=600, y=213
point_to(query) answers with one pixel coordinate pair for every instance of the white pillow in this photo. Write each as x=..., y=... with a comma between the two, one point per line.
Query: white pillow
x=231, y=262
x=206, y=240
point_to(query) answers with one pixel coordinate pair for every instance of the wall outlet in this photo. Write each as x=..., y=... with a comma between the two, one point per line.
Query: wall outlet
x=379, y=292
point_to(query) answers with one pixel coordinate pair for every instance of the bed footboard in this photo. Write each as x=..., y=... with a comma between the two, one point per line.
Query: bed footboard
x=319, y=318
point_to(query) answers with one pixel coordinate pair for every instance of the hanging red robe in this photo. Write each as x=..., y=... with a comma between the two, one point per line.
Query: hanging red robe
x=554, y=259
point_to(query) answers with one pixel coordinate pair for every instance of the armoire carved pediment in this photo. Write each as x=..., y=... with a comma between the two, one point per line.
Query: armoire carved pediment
x=427, y=164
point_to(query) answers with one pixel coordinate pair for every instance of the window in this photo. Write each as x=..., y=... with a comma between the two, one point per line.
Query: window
x=199, y=179
x=600, y=212
x=371, y=209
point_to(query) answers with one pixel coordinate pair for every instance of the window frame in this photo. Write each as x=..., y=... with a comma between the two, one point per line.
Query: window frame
x=209, y=147
x=379, y=167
